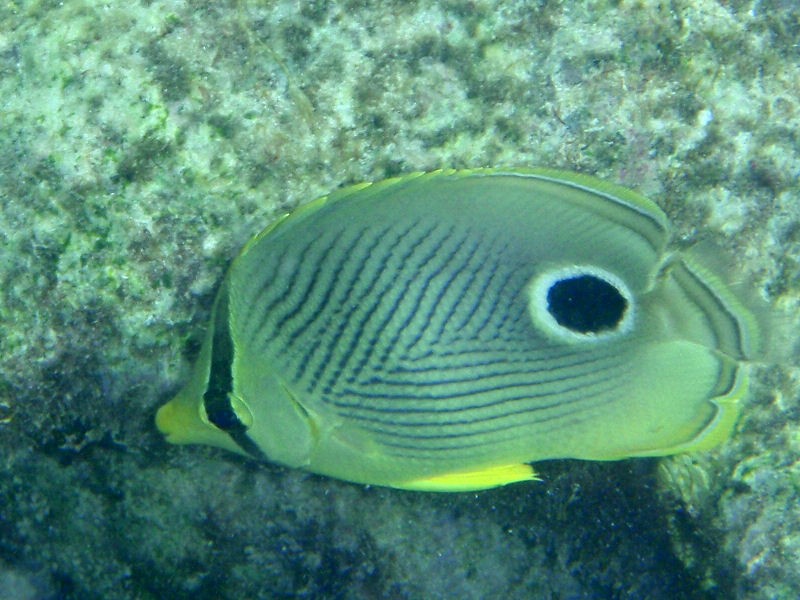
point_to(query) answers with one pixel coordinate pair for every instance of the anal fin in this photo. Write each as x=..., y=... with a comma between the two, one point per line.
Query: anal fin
x=468, y=481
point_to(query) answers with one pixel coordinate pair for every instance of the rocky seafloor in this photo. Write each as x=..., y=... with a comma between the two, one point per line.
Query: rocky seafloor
x=142, y=143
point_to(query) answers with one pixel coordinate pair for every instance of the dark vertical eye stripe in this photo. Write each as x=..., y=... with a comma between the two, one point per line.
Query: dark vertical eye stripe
x=220, y=377
x=216, y=399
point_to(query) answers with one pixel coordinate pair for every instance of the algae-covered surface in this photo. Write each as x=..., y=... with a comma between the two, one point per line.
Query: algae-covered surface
x=142, y=143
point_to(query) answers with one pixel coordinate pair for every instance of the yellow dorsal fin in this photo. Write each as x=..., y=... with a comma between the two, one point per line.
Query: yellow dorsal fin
x=468, y=481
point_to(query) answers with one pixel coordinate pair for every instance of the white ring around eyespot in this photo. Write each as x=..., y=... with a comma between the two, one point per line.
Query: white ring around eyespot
x=537, y=303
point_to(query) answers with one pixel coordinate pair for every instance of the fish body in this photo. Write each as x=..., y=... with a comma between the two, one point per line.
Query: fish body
x=440, y=331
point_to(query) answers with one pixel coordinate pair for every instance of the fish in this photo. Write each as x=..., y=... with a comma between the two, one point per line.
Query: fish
x=442, y=331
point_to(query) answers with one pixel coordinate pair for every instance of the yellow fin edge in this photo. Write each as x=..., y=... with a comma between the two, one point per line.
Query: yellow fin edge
x=470, y=481
x=714, y=433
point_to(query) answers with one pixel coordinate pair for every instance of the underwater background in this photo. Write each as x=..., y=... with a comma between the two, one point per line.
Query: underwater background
x=142, y=143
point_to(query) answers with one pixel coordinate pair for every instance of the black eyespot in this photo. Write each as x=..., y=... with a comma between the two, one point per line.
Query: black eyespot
x=586, y=304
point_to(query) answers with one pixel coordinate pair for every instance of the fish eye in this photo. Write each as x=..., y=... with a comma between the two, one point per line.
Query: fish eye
x=581, y=303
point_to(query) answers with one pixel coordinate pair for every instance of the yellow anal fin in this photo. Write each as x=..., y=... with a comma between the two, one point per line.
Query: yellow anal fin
x=469, y=481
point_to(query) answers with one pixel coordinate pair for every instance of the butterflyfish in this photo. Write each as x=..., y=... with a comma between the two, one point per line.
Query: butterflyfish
x=441, y=331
